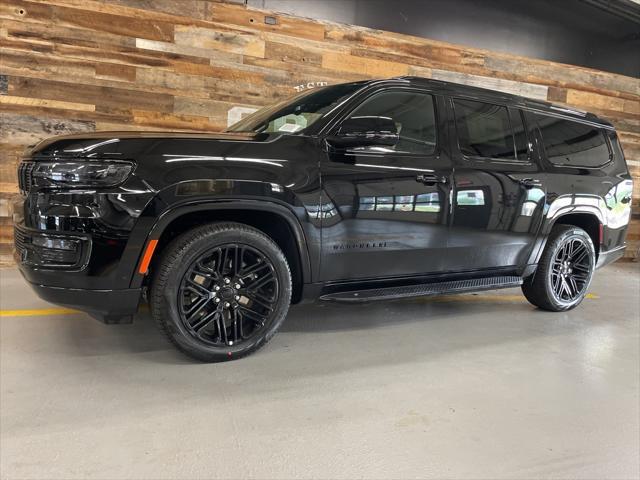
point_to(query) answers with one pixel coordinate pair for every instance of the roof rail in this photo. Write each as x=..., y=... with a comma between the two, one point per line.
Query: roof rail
x=575, y=111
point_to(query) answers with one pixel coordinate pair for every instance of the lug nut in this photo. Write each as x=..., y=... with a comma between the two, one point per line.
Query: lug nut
x=217, y=287
x=237, y=297
x=226, y=280
x=237, y=286
x=217, y=300
x=227, y=304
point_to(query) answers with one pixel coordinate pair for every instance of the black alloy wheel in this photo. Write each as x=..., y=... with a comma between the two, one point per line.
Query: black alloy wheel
x=228, y=294
x=570, y=269
x=220, y=291
x=564, y=271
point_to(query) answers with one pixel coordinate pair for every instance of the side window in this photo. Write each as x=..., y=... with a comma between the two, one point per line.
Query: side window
x=484, y=129
x=572, y=143
x=414, y=115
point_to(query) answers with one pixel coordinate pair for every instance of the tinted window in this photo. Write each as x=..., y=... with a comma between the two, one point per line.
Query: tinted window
x=484, y=129
x=413, y=114
x=571, y=143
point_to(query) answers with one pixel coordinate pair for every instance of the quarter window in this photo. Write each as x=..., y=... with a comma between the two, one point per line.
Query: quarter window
x=572, y=143
x=484, y=130
x=413, y=114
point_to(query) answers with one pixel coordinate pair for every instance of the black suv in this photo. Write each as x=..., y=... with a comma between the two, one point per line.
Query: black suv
x=362, y=191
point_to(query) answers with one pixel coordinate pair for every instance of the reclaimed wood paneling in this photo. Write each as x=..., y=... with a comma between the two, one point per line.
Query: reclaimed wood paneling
x=84, y=65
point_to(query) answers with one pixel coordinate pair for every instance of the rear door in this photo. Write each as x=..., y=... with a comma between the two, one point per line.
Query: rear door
x=498, y=193
x=385, y=210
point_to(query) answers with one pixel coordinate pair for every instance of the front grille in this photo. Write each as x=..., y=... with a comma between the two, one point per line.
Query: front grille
x=25, y=178
x=19, y=240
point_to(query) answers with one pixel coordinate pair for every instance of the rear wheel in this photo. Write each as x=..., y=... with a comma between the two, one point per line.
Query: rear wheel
x=564, y=272
x=221, y=291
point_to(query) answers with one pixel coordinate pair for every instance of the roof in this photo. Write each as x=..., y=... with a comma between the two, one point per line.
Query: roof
x=488, y=94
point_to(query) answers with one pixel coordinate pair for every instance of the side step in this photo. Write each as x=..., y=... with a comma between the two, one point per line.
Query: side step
x=425, y=289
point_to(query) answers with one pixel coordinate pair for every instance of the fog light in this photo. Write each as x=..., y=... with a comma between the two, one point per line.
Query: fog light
x=55, y=243
x=54, y=251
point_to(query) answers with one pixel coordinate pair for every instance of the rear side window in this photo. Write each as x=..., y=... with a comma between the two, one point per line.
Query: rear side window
x=487, y=130
x=572, y=143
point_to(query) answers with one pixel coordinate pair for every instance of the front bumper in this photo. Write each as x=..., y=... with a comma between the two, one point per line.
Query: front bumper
x=79, y=263
x=108, y=306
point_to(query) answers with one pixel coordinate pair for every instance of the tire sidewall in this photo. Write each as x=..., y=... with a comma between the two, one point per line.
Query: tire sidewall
x=190, y=249
x=557, y=242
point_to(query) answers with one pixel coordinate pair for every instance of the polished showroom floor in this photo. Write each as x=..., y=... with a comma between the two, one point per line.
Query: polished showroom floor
x=476, y=386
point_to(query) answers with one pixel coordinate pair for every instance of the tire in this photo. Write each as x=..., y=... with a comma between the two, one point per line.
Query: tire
x=220, y=291
x=557, y=286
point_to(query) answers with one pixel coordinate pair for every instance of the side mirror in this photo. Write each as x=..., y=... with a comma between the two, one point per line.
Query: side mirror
x=365, y=131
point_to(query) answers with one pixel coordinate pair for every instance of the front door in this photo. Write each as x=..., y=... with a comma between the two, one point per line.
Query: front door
x=385, y=210
x=498, y=196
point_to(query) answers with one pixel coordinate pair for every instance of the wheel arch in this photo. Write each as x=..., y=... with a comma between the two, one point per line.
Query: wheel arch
x=588, y=218
x=274, y=220
x=588, y=212
x=588, y=222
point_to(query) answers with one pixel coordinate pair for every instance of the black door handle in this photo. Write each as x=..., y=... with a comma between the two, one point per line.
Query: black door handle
x=530, y=183
x=430, y=179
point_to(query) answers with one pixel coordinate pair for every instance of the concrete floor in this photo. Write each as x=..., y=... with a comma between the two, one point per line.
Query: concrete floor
x=477, y=386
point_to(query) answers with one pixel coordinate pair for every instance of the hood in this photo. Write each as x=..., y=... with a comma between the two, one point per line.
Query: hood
x=120, y=144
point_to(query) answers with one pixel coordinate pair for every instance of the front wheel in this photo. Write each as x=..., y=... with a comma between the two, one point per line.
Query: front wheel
x=564, y=272
x=221, y=291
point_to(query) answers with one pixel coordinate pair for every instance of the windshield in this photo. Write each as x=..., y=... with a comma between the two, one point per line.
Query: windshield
x=295, y=114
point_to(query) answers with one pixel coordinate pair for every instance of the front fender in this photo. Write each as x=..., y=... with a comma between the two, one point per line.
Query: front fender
x=160, y=214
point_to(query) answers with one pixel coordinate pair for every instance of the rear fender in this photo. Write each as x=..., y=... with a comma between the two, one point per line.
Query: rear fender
x=560, y=207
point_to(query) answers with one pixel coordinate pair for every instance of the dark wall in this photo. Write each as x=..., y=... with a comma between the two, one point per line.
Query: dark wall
x=567, y=31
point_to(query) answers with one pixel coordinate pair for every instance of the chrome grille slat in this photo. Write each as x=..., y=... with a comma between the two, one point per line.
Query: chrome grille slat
x=25, y=177
x=19, y=240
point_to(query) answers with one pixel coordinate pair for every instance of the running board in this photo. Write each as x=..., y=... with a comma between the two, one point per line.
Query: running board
x=425, y=289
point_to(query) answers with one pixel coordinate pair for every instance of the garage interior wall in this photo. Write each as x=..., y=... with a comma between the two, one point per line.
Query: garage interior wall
x=78, y=65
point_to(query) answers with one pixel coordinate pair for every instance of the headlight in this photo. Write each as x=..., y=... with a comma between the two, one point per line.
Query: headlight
x=80, y=174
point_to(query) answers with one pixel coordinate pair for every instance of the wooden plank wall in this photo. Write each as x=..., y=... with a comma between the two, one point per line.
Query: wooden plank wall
x=83, y=65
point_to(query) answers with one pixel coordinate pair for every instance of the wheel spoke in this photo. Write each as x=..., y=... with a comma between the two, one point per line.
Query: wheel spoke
x=570, y=247
x=206, y=272
x=557, y=286
x=266, y=278
x=573, y=284
x=240, y=318
x=260, y=299
x=253, y=269
x=234, y=315
x=196, y=288
x=222, y=329
x=204, y=322
x=566, y=288
x=582, y=256
x=581, y=277
x=252, y=314
x=223, y=261
x=237, y=259
x=196, y=308
x=582, y=268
